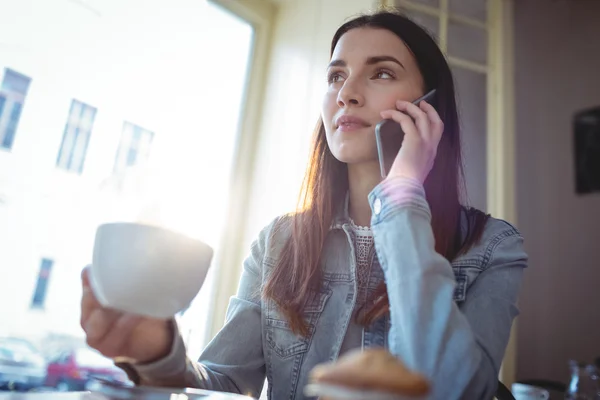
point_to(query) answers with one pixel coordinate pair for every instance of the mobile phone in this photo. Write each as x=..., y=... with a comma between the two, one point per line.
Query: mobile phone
x=389, y=136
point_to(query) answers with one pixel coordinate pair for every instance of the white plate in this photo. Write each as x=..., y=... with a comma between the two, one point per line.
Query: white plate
x=341, y=392
x=123, y=391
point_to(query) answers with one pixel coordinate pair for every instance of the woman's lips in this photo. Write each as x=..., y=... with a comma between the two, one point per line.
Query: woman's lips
x=349, y=123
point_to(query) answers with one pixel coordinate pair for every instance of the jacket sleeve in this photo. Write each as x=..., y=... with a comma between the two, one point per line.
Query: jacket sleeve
x=233, y=361
x=459, y=350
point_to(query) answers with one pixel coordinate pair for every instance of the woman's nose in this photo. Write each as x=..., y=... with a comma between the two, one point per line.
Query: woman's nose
x=350, y=95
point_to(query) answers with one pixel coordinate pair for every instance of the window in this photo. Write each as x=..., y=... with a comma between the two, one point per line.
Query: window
x=134, y=147
x=39, y=296
x=76, y=137
x=160, y=107
x=12, y=96
x=464, y=33
x=477, y=38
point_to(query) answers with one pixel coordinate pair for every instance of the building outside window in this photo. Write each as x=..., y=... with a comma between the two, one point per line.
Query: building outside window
x=41, y=287
x=134, y=147
x=76, y=137
x=12, y=97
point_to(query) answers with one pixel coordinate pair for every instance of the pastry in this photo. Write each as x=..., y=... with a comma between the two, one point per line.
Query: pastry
x=375, y=370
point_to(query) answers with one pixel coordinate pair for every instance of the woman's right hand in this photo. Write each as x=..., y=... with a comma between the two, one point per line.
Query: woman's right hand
x=122, y=335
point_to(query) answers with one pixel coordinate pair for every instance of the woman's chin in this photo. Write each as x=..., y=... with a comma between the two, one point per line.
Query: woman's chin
x=354, y=157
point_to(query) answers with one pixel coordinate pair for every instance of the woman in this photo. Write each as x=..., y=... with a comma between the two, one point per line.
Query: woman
x=397, y=263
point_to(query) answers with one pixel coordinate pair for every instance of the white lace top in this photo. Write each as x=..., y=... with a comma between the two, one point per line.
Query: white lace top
x=364, y=247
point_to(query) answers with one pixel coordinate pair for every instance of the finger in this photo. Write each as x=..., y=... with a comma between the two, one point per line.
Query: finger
x=88, y=304
x=421, y=118
x=406, y=123
x=85, y=276
x=98, y=324
x=436, y=123
x=114, y=343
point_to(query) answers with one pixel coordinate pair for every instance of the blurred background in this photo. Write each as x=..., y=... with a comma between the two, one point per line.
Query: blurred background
x=197, y=115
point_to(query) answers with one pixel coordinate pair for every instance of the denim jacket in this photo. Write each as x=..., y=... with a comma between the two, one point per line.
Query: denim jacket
x=448, y=321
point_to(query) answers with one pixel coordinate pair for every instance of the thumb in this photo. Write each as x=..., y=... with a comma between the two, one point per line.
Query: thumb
x=85, y=277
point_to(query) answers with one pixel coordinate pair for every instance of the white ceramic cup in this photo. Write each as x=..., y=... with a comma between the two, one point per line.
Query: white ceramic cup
x=521, y=391
x=147, y=270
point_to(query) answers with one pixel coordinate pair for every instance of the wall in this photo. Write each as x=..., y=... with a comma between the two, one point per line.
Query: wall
x=557, y=73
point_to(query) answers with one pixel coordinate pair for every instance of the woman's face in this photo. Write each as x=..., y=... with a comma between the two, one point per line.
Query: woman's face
x=370, y=70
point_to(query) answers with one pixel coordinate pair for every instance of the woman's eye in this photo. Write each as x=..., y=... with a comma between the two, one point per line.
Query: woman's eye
x=383, y=75
x=334, y=77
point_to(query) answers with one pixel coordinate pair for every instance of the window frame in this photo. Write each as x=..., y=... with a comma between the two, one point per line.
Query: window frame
x=132, y=144
x=86, y=136
x=11, y=98
x=260, y=15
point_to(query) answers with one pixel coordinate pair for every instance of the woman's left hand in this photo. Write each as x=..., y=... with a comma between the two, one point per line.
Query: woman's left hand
x=423, y=130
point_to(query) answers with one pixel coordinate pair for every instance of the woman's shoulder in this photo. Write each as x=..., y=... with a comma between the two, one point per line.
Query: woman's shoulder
x=280, y=228
x=498, y=240
x=273, y=237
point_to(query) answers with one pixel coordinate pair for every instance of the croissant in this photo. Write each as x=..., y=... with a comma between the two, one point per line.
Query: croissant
x=374, y=370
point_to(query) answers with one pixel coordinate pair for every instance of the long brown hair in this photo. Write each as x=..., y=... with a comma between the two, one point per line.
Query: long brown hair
x=297, y=272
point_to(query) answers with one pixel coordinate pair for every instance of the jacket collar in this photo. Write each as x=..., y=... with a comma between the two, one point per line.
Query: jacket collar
x=342, y=216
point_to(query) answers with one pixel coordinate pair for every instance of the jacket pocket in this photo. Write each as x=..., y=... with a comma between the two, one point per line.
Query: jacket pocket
x=279, y=335
x=283, y=341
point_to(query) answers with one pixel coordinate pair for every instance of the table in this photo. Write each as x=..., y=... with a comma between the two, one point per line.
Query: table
x=137, y=394
x=103, y=389
x=52, y=396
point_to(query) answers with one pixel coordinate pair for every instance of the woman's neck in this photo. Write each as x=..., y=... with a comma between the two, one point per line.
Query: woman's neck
x=362, y=178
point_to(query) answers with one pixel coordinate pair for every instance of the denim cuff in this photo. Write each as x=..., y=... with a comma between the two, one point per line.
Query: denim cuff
x=172, y=365
x=395, y=194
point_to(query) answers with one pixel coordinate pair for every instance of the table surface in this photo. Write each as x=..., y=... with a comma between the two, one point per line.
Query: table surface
x=99, y=396
x=111, y=390
x=51, y=396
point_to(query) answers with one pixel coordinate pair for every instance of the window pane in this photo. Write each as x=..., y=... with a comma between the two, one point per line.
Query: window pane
x=76, y=136
x=13, y=90
x=2, y=102
x=131, y=157
x=11, y=127
x=75, y=112
x=476, y=9
x=87, y=118
x=471, y=88
x=15, y=82
x=124, y=145
x=467, y=42
x=144, y=145
x=78, y=153
x=66, y=148
x=134, y=139
x=431, y=24
x=433, y=3
x=39, y=296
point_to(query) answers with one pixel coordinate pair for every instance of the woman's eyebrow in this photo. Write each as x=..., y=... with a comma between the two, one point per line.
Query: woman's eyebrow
x=337, y=63
x=370, y=61
x=378, y=59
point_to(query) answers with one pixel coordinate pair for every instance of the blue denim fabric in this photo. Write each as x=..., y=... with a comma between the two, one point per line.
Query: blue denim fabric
x=449, y=321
